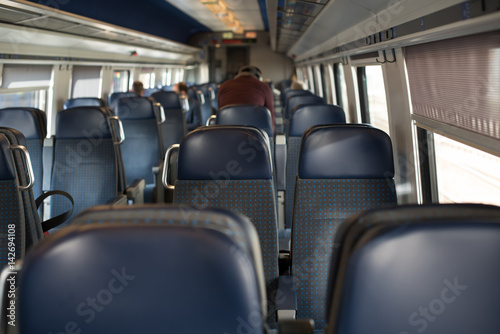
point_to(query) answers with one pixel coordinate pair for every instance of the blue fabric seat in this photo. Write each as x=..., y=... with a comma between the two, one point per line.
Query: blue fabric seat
x=87, y=160
x=84, y=102
x=145, y=269
x=417, y=269
x=143, y=148
x=205, y=97
x=230, y=167
x=343, y=169
x=174, y=128
x=302, y=119
x=247, y=115
x=297, y=100
x=31, y=122
x=114, y=97
x=285, y=95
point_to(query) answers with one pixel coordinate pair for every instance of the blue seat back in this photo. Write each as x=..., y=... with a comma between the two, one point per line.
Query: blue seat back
x=86, y=163
x=302, y=119
x=31, y=122
x=285, y=95
x=190, y=272
x=248, y=115
x=230, y=167
x=143, y=145
x=174, y=128
x=343, y=169
x=206, y=108
x=416, y=269
x=18, y=212
x=114, y=97
x=297, y=100
x=84, y=102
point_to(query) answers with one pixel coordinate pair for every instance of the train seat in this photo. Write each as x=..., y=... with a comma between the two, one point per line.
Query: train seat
x=142, y=150
x=205, y=97
x=86, y=158
x=145, y=269
x=292, y=92
x=416, y=269
x=296, y=100
x=114, y=97
x=31, y=122
x=343, y=169
x=230, y=167
x=84, y=102
x=174, y=128
x=302, y=119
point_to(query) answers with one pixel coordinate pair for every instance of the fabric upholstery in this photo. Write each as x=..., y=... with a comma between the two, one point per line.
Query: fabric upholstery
x=324, y=199
x=427, y=268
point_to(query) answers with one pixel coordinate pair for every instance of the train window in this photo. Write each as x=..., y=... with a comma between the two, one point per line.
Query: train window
x=310, y=77
x=147, y=77
x=373, y=101
x=179, y=75
x=341, y=89
x=86, y=81
x=33, y=99
x=465, y=174
x=331, y=87
x=121, y=81
x=319, y=76
x=25, y=85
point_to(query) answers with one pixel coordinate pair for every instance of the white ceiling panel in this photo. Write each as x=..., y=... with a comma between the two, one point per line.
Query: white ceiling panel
x=246, y=11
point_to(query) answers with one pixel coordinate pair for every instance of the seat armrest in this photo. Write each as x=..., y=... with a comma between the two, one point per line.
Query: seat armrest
x=297, y=326
x=135, y=191
x=286, y=298
x=118, y=200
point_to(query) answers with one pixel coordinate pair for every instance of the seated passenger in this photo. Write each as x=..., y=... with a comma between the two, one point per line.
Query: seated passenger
x=138, y=88
x=190, y=105
x=246, y=88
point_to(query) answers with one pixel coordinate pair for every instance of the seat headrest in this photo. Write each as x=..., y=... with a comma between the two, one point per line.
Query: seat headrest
x=221, y=152
x=247, y=115
x=82, y=122
x=7, y=168
x=345, y=151
x=169, y=100
x=84, y=102
x=23, y=119
x=211, y=267
x=307, y=115
x=297, y=100
x=134, y=107
x=114, y=97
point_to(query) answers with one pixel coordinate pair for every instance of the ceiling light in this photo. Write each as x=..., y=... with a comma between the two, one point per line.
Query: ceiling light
x=219, y=8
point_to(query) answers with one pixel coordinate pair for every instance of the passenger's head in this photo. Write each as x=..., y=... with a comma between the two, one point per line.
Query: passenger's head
x=182, y=88
x=250, y=70
x=138, y=88
x=296, y=85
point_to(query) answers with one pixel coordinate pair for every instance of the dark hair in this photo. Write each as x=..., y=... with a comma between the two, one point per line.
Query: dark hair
x=254, y=70
x=182, y=87
x=138, y=88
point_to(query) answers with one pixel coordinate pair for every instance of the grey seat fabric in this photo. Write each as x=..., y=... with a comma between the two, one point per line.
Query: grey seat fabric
x=174, y=128
x=143, y=148
x=177, y=263
x=302, y=119
x=84, y=102
x=343, y=169
x=416, y=269
x=230, y=167
x=87, y=159
x=31, y=122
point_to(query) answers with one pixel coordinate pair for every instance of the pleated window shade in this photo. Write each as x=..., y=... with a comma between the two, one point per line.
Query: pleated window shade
x=457, y=82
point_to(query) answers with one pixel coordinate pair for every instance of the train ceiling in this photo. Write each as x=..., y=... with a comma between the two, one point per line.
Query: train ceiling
x=289, y=22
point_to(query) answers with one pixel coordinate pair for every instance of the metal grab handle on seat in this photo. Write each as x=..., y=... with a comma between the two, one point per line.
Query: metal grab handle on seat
x=166, y=166
x=27, y=161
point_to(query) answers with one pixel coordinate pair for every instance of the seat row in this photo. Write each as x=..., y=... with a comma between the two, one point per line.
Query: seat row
x=184, y=270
